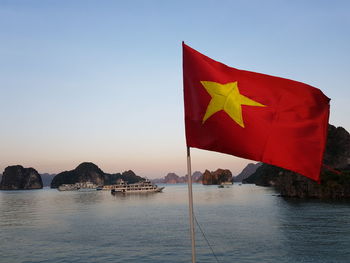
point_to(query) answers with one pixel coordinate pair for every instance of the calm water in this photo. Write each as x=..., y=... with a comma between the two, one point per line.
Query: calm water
x=243, y=223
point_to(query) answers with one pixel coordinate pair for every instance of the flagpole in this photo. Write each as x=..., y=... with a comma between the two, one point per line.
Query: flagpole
x=190, y=201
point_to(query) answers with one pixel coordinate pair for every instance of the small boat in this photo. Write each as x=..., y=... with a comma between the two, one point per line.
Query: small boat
x=225, y=184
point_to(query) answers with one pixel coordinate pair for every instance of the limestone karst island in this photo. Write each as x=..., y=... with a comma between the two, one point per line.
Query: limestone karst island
x=335, y=177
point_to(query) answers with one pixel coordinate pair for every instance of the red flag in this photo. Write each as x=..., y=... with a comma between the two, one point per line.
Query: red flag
x=255, y=116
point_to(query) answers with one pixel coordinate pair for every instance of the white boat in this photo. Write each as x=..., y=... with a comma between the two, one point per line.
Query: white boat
x=140, y=187
x=84, y=186
x=87, y=186
x=68, y=187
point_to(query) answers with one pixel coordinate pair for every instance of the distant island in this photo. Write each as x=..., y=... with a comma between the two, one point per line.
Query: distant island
x=17, y=177
x=173, y=178
x=90, y=172
x=217, y=177
x=335, y=176
x=207, y=178
x=247, y=171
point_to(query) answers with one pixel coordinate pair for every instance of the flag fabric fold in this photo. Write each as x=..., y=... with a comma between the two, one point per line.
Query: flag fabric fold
x=254, y=116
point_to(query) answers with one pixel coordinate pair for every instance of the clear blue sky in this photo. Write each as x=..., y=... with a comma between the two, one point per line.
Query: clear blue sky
x=101, y=81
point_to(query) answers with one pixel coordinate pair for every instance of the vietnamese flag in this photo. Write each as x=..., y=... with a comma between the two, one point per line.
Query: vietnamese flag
x=255, y=116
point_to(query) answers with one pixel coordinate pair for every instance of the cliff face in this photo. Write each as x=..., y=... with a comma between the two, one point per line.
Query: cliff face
x=17, y=178
x=217, y=177
x=333, y=186
x=85, y=172
x=335, y=176
x=337, y=153
x=247, y=171
x=265, y=175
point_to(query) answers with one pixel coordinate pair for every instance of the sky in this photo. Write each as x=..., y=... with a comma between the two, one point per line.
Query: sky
x=101, y=81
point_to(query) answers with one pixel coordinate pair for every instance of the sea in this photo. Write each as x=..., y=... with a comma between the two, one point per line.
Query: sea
x=243, y=223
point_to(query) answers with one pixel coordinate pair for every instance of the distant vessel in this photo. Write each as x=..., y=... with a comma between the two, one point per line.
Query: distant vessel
x=84, y=186
x=225, y=184
x=141, y=187
x=67, y=187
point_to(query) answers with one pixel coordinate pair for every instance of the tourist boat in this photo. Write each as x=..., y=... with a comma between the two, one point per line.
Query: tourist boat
x=87, y=186
x=140, y=187
x=68, y=187
x=84, y=186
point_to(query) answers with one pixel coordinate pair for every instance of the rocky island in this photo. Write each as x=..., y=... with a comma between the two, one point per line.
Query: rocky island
x=247, y=171
x=84, y=172
x=173, y=178
x=127, y=176
x=90, y=172
x=17, y=177
x=218, y=177
x=335, y=175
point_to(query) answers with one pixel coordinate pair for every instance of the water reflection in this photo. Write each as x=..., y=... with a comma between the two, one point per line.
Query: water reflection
x=243, y=223
x=135, y=196
x=316, y=231
x=19, y=208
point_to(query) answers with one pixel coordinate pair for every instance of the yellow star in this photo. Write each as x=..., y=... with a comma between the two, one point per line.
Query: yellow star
x=226, y=97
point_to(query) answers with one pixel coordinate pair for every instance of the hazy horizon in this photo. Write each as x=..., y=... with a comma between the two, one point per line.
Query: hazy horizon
x=235, y=166
x=102, y=81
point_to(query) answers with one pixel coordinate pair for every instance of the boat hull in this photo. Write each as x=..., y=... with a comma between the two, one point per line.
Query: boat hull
x=127, y=191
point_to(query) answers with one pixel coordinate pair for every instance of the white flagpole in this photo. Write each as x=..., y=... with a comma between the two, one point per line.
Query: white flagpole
x=190, y=201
